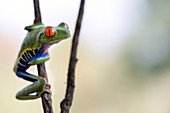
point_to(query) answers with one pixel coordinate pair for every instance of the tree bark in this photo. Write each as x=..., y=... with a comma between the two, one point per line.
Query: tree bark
x=67, y=101
x=46, y=98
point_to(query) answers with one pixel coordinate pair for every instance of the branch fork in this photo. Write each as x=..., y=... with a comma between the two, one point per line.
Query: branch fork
x=46, y=98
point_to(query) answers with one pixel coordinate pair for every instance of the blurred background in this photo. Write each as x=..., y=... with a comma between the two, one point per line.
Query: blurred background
x=123, y=52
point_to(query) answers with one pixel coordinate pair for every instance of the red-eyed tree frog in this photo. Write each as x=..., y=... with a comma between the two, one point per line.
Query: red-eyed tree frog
x=34, y=50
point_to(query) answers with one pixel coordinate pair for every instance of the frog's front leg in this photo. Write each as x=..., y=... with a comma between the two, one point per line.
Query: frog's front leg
x=39, y=58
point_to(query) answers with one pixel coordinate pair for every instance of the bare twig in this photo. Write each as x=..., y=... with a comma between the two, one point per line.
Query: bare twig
x=46, y=98
x=67, y=101
x=37, y=12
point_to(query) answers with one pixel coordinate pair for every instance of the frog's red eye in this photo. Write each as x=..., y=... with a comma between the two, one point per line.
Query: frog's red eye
x=49, y=32
x=67, y=27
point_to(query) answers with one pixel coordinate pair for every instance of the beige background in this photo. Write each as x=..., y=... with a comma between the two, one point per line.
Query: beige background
x=123, y=54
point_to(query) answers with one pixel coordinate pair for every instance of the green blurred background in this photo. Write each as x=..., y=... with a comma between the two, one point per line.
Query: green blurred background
x=124, y=55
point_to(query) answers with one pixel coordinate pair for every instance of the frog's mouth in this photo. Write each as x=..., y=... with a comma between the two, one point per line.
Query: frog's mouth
x=57, y=41
x=53, y=42
x=49, y=44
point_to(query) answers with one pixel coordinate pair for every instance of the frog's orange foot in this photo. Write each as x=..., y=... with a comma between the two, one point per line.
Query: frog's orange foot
x=47, y=89
x=48, y=86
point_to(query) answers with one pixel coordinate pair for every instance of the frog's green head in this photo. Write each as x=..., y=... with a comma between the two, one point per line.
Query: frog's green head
x=55, y=34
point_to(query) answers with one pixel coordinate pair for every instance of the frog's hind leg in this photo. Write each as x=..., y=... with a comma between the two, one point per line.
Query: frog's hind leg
x=28, y=92
x=38, y=86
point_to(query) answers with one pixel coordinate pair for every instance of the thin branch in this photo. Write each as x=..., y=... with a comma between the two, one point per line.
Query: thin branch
x=67, y=101
x=46, y=98
x=37, y=12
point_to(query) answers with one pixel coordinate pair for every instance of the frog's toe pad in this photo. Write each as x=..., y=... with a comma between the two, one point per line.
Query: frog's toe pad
x=47, y=88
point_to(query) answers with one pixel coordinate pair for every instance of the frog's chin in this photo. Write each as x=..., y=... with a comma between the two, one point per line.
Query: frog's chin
x=54, y=42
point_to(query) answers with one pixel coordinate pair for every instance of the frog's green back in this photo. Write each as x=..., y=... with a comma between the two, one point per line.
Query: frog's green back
x=31, y=40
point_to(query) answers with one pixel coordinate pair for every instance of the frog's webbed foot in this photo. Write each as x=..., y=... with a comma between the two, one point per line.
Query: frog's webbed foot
x=38, y=87
x=45, y=89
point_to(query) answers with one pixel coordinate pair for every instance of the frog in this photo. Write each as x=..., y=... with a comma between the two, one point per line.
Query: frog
x=34, y=51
